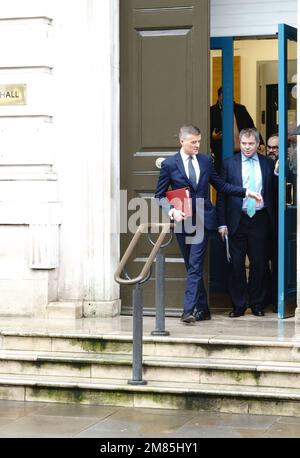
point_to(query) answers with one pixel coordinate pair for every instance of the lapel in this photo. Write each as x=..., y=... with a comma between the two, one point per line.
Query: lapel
x=180, y=165
x=181, y=168
x=201, y=162
x=238, y=168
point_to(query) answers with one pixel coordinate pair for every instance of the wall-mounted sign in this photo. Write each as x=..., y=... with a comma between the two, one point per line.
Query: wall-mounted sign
x=12, y=94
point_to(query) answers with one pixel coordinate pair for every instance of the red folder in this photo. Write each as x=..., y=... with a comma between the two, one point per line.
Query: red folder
x=181, y=200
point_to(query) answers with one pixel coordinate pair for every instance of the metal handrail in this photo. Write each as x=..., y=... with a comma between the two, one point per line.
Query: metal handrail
x=166, y=227
x=160, y=273
x=137, y=297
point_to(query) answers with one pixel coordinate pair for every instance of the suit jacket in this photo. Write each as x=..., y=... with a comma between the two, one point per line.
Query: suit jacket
x=173, y=175
x=243, y=120
x=229, y=208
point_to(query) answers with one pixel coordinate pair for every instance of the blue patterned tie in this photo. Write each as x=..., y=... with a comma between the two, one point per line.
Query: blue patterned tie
x=251, y=203
x=192, y=173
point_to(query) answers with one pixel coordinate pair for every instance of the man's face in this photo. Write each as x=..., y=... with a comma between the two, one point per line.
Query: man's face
x=248, y=145
x=191, y=144
x=272, y=148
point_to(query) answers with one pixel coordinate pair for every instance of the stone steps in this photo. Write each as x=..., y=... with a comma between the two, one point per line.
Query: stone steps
x=229, y=375
x=165, y=395
x=189, y=370
x=243, y=349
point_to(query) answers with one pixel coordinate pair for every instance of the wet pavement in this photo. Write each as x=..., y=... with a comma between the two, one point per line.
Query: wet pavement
x=53, y=420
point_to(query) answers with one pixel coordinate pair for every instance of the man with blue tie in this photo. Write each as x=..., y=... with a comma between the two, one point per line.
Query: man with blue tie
x=189, y=168
x=248, y=224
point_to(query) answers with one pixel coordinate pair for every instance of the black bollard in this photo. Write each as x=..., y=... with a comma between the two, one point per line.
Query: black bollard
x=137, y=336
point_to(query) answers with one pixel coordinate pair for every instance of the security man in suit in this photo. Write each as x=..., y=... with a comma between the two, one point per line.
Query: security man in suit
x=189, y=168
x=248, y=223
x=242, y=120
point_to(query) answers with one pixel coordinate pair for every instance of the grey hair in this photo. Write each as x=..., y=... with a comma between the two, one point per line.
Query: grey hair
x=188, y=130
x=248, y=132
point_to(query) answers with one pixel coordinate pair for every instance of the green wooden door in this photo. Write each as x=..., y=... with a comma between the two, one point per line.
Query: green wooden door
x=287, y=218
x=164, y=84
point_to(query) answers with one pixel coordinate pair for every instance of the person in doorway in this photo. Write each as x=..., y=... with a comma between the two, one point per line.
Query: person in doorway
x=242, y=120
x=248, y=224
x=189, y=168
x=273, y=147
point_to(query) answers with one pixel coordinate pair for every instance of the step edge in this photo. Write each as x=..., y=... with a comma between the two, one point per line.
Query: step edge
x=148, y=362
x=150, y=339
x=156, y=389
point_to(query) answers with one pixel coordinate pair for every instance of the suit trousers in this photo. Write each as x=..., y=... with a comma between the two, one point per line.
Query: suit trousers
x=273, y=273
x=251, y=239
x=195, y=296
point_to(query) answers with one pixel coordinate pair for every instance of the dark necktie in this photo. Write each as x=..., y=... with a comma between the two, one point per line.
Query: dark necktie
x=192, y=173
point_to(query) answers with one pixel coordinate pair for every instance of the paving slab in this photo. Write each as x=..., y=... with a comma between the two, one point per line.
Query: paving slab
x=46, y=426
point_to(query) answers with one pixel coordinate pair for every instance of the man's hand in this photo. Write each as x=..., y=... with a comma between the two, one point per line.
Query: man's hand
x=216, y=135
x=223, y=231
x=178, y=215
x=276, y=170
x=256, y=196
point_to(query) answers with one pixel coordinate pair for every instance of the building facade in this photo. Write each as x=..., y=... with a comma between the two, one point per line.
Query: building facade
x=60, y=170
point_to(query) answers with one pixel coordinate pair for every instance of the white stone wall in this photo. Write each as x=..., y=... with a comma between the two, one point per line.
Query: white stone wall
x=247, y=18
x=87, y=130
x=28, y=183
x=59, y=161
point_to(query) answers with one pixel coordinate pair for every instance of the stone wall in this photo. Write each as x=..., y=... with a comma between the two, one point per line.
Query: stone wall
x=59, y=161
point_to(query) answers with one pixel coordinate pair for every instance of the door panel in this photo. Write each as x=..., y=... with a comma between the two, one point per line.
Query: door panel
x=287, y=220
x=164, y=84
x=160, y=79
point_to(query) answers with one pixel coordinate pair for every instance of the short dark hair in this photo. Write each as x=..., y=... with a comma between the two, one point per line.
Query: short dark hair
x=219, y=91
x=189, y=130
x=248, y=132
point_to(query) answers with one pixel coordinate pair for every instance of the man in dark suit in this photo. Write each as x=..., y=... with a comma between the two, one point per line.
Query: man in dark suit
x=242, y=120
x=248, y=224
x=189, y=168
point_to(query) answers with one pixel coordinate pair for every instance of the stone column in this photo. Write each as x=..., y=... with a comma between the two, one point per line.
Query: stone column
x=87, y=127
x=101, y=293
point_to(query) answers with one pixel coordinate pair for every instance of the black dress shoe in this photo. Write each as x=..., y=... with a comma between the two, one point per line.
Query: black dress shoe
x=187, y=318
x=201, y=315
x=257, y=312
x=236, y=313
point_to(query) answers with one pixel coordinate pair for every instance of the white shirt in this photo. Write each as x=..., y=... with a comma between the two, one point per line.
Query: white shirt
x=185, y=159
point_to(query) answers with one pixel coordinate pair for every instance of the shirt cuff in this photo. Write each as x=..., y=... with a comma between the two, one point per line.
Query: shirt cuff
x=171, y=213
x=222, y=227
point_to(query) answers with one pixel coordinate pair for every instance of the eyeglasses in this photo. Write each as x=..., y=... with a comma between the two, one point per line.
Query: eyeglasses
x=272, y=147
